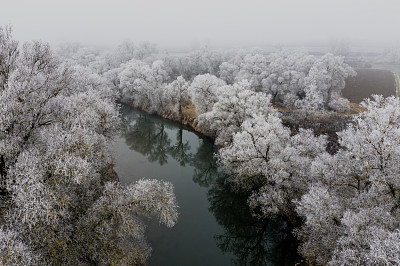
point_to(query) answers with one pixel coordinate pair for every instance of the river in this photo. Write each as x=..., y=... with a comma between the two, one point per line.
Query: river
x=214, y=226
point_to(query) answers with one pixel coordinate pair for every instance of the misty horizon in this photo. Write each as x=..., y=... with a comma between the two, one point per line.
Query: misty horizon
x=180, y=25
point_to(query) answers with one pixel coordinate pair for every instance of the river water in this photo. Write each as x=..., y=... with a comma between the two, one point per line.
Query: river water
x=214, y=226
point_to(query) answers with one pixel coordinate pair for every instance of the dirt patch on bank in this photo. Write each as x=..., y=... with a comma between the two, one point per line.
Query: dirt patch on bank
x=189, y=114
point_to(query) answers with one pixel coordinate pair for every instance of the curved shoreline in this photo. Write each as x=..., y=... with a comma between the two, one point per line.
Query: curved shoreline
x=188, y=117
x=321, y=122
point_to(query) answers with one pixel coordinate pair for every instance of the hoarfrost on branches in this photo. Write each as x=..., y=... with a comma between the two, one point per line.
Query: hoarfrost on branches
x=203, y=92
x=265, y=159
x=360, y=184
x=60, y=201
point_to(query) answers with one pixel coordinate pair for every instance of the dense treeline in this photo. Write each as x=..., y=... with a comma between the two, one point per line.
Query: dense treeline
x=151, y=79
x=61, y=203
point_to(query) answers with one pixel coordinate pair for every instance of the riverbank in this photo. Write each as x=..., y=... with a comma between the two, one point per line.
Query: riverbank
x=188, y=118
x=321, y=122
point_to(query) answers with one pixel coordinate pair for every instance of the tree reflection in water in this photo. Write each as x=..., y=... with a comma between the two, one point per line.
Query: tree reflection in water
x=138, y=132
x=252, y=241
x=204, y=163
x=162, y=145
x=145, y=136
x=180, y=151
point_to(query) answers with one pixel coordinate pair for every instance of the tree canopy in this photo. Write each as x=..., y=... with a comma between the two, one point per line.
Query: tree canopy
x=61, y=202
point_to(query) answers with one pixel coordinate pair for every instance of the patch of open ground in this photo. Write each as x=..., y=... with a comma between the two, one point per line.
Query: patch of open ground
x=188, y=111
x=368, y=82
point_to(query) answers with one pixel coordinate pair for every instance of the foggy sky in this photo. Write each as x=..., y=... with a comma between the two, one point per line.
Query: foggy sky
x=216, y=23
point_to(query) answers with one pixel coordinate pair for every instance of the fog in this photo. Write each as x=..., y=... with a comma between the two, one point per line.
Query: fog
x=183, y=23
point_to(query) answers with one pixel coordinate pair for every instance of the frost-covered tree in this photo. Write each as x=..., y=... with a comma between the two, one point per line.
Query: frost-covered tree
x=235, y=103
x=265, y=159
x=60, y=202
x=119, y=232
x=254, y=68
x=313, y=99
x=292, y=78
x=157, y=93
x=141, y=84
x=175, y=93
x=200, y=62
x=8, y=54
x=328, y=75
x=107, y=60
x=190, y=65
x=203, y=91
x=208, y=60
x=360, y=184
x=78, y=54
x=159, y=72
x=137, y=83
x=13, y=250
x=113, y=79
x=127, y=51
x=286, y=76
x=228, y=72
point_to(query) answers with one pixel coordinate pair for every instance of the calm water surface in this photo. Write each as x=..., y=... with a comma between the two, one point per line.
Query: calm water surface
x=214, y=225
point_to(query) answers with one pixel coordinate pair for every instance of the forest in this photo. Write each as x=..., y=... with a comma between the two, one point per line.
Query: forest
x=61, y=202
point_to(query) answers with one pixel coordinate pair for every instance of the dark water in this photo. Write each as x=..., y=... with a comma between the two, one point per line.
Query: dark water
x=214, y=226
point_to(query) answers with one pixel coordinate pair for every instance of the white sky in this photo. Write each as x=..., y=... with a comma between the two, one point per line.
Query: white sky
x=218, y=23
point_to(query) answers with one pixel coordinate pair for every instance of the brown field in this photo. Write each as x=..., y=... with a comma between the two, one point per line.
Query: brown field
x=368, y=82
